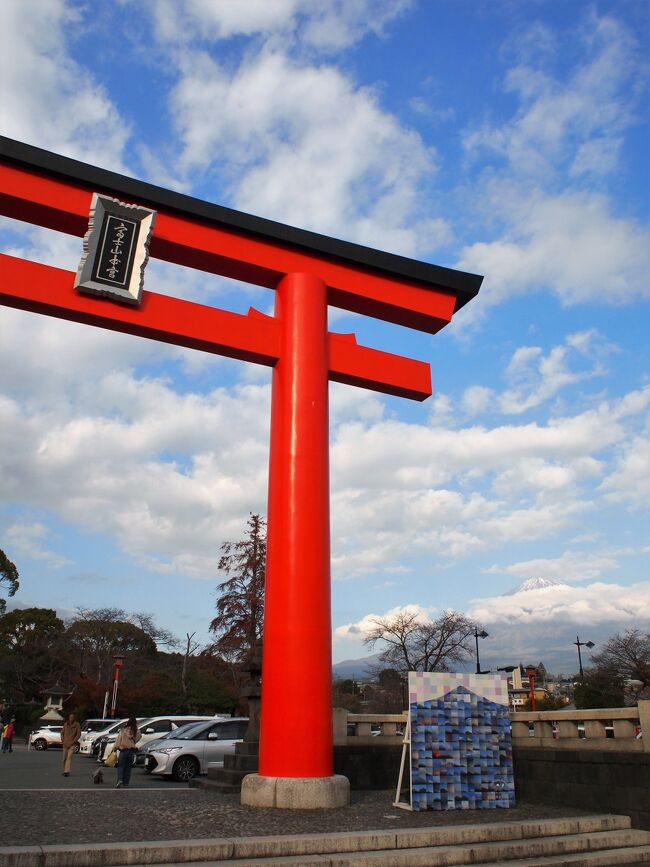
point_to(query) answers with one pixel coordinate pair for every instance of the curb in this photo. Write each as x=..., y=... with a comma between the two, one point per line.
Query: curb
x=222, y=849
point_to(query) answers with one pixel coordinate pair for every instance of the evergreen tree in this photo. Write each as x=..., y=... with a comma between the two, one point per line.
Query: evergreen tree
x=8, y=578
x=240, y=605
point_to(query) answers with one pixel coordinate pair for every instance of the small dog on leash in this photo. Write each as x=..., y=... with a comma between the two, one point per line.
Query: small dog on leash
x=98, y=777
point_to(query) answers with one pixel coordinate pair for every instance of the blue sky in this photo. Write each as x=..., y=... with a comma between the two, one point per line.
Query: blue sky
x=509, y=139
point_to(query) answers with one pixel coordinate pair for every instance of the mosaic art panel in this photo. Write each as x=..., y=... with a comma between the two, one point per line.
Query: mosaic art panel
x=461, y=748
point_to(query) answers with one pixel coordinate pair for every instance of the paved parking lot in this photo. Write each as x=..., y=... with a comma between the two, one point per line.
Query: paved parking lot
x=38, y=806
x=25, y=769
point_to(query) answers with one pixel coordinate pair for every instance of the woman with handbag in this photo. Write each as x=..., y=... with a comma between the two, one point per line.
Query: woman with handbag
x=126, y=743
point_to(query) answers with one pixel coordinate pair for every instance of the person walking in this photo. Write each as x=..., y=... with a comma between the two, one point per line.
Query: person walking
x=70, y=736
x=126, y=743
x=8, y=736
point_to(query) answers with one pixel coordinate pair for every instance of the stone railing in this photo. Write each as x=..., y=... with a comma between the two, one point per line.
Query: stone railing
x=614, y=729
x=368, y=729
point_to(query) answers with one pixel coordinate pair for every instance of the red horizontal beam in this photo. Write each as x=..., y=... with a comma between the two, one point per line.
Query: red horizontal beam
x=43, y=289
x=378, y=371
x=63, y=205
x=252, y=337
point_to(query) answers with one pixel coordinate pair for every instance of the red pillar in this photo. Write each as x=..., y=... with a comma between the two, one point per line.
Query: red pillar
x=296, y=710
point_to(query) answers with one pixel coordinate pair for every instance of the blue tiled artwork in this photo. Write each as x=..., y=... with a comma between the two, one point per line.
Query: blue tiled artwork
x=461, y=748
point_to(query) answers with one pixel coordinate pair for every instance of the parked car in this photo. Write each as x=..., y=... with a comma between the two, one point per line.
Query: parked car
x=151, y=728
x=194, y=751
x=45, y=737
x=90, y=738
x=91, y=728
x=105, y=740
x=95, y=725
x=143, y=752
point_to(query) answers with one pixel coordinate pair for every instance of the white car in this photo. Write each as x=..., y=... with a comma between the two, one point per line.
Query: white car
x=197, y=749
x=88, y=738
x=45, y=737
x=150, y=729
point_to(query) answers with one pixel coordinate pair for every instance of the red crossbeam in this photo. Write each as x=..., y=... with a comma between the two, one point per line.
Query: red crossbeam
x=64, y=205
x=252, y=337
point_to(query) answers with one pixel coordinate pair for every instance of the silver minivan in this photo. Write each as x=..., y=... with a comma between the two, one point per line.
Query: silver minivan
x=197, y=749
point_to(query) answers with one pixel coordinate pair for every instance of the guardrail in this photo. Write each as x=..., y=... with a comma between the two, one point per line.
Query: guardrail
x=368, y=729
x=615, y=729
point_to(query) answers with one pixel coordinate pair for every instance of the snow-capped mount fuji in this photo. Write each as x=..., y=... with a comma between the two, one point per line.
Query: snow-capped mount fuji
x=535, y=584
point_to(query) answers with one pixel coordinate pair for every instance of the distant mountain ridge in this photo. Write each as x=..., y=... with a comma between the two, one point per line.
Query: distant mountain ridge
x=355, y=669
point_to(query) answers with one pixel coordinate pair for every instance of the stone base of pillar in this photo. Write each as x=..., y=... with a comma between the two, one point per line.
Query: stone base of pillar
x=296, y=793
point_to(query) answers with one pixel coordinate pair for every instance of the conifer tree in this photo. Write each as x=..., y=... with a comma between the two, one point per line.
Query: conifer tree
x=240, y=604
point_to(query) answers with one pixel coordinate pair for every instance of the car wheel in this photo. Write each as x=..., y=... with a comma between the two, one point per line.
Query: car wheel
x=185, y=768
x=40, y=744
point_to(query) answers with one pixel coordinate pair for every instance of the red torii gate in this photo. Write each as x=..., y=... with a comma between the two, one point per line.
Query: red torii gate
x=308, y=272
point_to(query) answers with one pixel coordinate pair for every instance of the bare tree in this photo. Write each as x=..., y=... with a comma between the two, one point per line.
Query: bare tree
x=408, y=643
x=147, y=624
x=191, y=647
x=626, y=656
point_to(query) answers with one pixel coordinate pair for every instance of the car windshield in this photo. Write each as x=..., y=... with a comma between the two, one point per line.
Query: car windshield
x=95, y=725
x=186, y=729
x=192, y=732
x=179, y=732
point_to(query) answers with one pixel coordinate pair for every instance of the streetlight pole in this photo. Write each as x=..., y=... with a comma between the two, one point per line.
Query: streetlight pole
x=580, y=644
x=477, y=635
x=119, y=662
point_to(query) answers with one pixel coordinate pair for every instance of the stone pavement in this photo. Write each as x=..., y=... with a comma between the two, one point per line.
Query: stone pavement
x=108, y=815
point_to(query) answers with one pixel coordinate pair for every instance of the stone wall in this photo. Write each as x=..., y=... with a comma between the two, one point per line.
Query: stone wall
x=369, y=767
x=603, y=781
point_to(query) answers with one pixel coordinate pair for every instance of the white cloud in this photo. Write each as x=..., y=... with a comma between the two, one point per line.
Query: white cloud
x=158, y=471
x=219, y=19
x=536, y=377
x=28, y=540
x=586, y=605
x=63, y=108
x=328, y=26
x=556, y=229
x=477, y=399
x=630, y=481
x=284, y=126
x=570, y=244
x=569, y=567
x=336, y=24
x=536, y=474
x=572, y=124
x=398, y=455
x=166, y=473
x=359, y=630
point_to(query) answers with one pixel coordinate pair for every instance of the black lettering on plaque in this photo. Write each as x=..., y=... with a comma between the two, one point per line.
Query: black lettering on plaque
x=115, y=251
